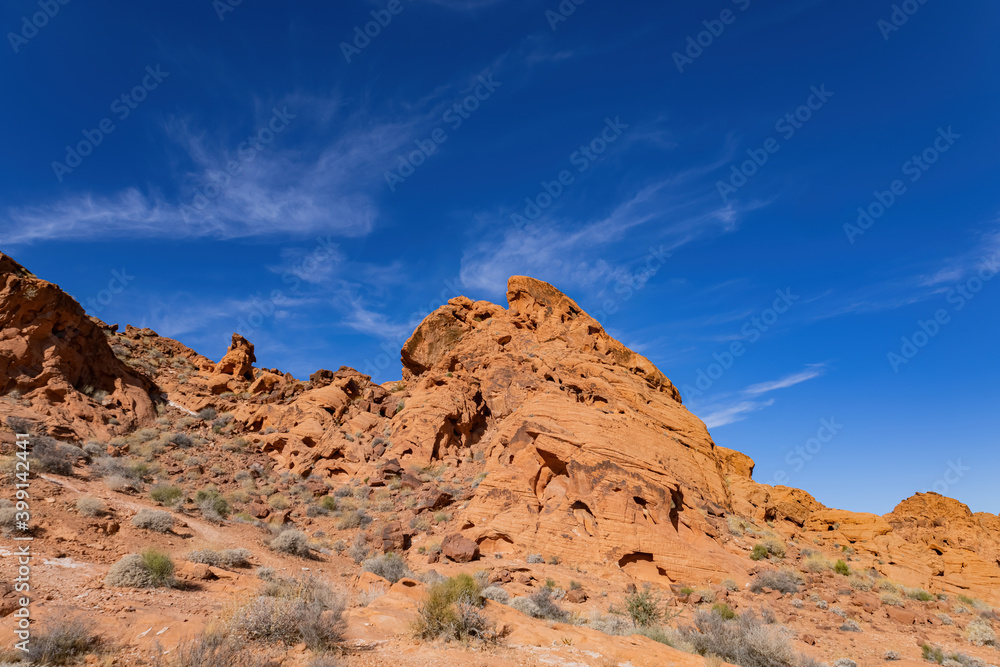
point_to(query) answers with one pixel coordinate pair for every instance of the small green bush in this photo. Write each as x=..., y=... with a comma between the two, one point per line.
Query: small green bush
x=724, y=610
x=160, y=566
x=840, y=567
x=453, y=610
x=643, y=606
x=166, y=494
x=759, y=552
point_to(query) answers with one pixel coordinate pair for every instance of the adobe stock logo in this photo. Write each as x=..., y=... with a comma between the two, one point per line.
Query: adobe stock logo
x=31, y=25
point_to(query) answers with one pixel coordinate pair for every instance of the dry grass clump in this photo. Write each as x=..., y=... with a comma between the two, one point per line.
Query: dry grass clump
x=292, y=611
x=745, y=640
x=453, y=610
x=63, y=641
x=388, y=566
x=817, y=563
x=90, y=507
x=784, y=581
x=155, y=520
x=293, y=542
x=228, y=559
x=212, y=650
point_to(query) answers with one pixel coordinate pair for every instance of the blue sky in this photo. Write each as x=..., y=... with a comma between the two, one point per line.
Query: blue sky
x=692, y=176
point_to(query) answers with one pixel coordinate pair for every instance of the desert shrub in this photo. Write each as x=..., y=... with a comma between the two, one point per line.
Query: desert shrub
x=730, y=585
x=844, y=662
x=666, y=635
x=62, y=641
x=293, y=542
x=979, y=632
x=526, y=607
x=759, y=552
x=453, y=610
x=150, y=569
x=160, y=566
x=291, y=611
x=643, y=607
x=155, y=520
x=746, y=641
x=850, y=626
x=609, y=624
x=918, y=594
x=358, y=550
x=51, y=456
x=535, y=558
x=547, y=608
x=840, y=567
x=724, y=610
x=817, y=563
x=166, y=494
x=227, y=558
x=214, y=509
x=371, y=593
x=20, y=425
x=946, y=619
x=8, y=517
x=774, y=546
x=784, y=581
x=497, y=594
x=213, y=650
x=329, y=503
x=892, y=599
x=89, y=506
x=207, y=414
x=860, y=583
x=279, y=502
x=355, y=519
x=890, y=656
x=324, y=660
x=388, y=566
x=181, y=440
x=738, y=525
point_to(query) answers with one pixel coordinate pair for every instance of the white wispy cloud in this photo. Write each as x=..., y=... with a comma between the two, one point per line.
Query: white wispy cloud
x=785, y=382
x=729, y=408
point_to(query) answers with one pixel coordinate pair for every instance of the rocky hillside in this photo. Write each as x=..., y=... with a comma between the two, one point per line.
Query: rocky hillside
x=521, y=443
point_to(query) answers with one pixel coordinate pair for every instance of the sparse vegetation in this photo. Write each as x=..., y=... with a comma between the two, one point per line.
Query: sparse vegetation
x=979, y=632
x=227, y=558
x=290, y=611
x=155, y=520
x=388, y=566
x=840, y=567
x=166, y=494
x=643, y=607
x=453, y=611
x=150, y=569
x=63, y=641
x=784, y=581
x=90, y=507
x=212, y=650
x=293, y=542
x=746, y=641
x=497, y=594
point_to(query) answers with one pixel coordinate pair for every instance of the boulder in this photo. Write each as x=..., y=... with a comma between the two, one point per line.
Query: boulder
x=460, y=549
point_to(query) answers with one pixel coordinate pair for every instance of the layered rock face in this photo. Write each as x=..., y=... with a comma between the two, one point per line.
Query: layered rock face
x=58, y=359
x=589, y=453
x=536, y=431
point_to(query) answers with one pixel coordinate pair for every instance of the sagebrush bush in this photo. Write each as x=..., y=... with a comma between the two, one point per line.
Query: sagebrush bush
x=746, y=641
x=535, y=558
x=155, y=520
x=547, y=607
x=213, y=650
x=784, y=581
x=150, y=569
x=759, y=552
x=90, y=506
x=293, y=542
x=526, y=607
x=979, y=632
x=63, y=641
x=291, y=611
x=388, y=566
x=497, y=594
x=51, y=456
x=227, y=558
